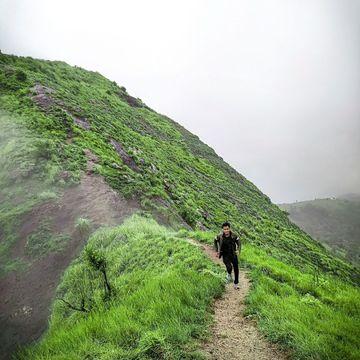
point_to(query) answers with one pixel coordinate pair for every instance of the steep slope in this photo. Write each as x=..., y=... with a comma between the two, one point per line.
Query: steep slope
x=44, y=226
x=333, y=221
x=80, y=124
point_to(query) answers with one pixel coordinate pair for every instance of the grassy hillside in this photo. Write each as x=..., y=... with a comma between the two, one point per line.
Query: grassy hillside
x=160, y=291
x=81, y=117
x=145, y=154
x=335, y=222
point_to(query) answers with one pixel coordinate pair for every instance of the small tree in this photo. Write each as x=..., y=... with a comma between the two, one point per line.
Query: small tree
x=97, y=261
x=76, y=291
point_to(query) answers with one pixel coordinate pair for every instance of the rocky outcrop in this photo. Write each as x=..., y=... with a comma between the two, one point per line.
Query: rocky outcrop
x=126, y=158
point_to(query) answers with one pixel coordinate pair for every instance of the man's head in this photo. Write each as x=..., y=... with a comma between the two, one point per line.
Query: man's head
x=226, y=228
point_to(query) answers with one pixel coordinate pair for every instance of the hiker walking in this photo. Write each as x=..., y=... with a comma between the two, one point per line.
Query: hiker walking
x=228, y=246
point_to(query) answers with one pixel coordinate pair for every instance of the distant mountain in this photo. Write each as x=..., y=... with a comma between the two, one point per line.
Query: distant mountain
x=335, y=222
x=350, y=196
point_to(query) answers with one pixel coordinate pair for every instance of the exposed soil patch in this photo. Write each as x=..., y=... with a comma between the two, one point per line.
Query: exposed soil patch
x=233, y=335
x=26, y=296
x=81, y=122
x=126, y=158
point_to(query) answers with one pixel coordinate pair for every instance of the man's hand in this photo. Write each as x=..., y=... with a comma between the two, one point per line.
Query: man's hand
x=236, y=252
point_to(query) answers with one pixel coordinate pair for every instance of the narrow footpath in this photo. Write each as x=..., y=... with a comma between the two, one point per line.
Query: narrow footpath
x=233, y=335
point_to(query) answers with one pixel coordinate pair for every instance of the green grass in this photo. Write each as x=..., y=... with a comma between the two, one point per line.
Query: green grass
x=162, y=285
x=315, y=315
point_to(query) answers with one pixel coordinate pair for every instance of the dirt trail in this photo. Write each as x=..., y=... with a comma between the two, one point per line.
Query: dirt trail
x=234, y=335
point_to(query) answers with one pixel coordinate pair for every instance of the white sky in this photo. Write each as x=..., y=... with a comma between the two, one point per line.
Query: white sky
x=272, y=86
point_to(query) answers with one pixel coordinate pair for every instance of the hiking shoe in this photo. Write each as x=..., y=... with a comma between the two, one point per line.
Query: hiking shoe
x=228, y=277
x=236, y=286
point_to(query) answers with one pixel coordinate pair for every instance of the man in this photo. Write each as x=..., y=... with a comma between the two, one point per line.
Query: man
x=228, y=246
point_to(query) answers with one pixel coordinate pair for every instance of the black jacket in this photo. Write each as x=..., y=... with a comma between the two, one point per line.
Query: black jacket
x=235, y=244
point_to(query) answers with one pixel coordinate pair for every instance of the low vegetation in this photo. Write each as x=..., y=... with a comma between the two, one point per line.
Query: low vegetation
x=44, y=240
x=316, y=315
x=83, y=225
x=157, y=307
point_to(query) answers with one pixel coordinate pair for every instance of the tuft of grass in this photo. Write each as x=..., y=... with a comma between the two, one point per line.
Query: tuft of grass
x=83, y=225
x=48, y=195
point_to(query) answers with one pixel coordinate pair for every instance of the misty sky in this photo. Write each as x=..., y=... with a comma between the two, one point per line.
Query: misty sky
x=272, y=86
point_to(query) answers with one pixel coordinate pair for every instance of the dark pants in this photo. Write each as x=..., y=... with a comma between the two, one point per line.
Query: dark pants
x=229, y=262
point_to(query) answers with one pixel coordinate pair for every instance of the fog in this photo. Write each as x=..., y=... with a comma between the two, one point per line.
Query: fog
x=272, y=86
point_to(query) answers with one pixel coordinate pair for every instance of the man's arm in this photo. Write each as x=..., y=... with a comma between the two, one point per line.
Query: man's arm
x=238, y=244
x=216, y=243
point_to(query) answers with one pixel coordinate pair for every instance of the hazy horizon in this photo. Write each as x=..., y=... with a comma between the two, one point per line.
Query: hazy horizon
x=272, y=86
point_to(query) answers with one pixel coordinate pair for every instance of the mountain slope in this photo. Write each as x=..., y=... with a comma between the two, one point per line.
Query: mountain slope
x=144, y=154
x=65, y=124
x=333, y=221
